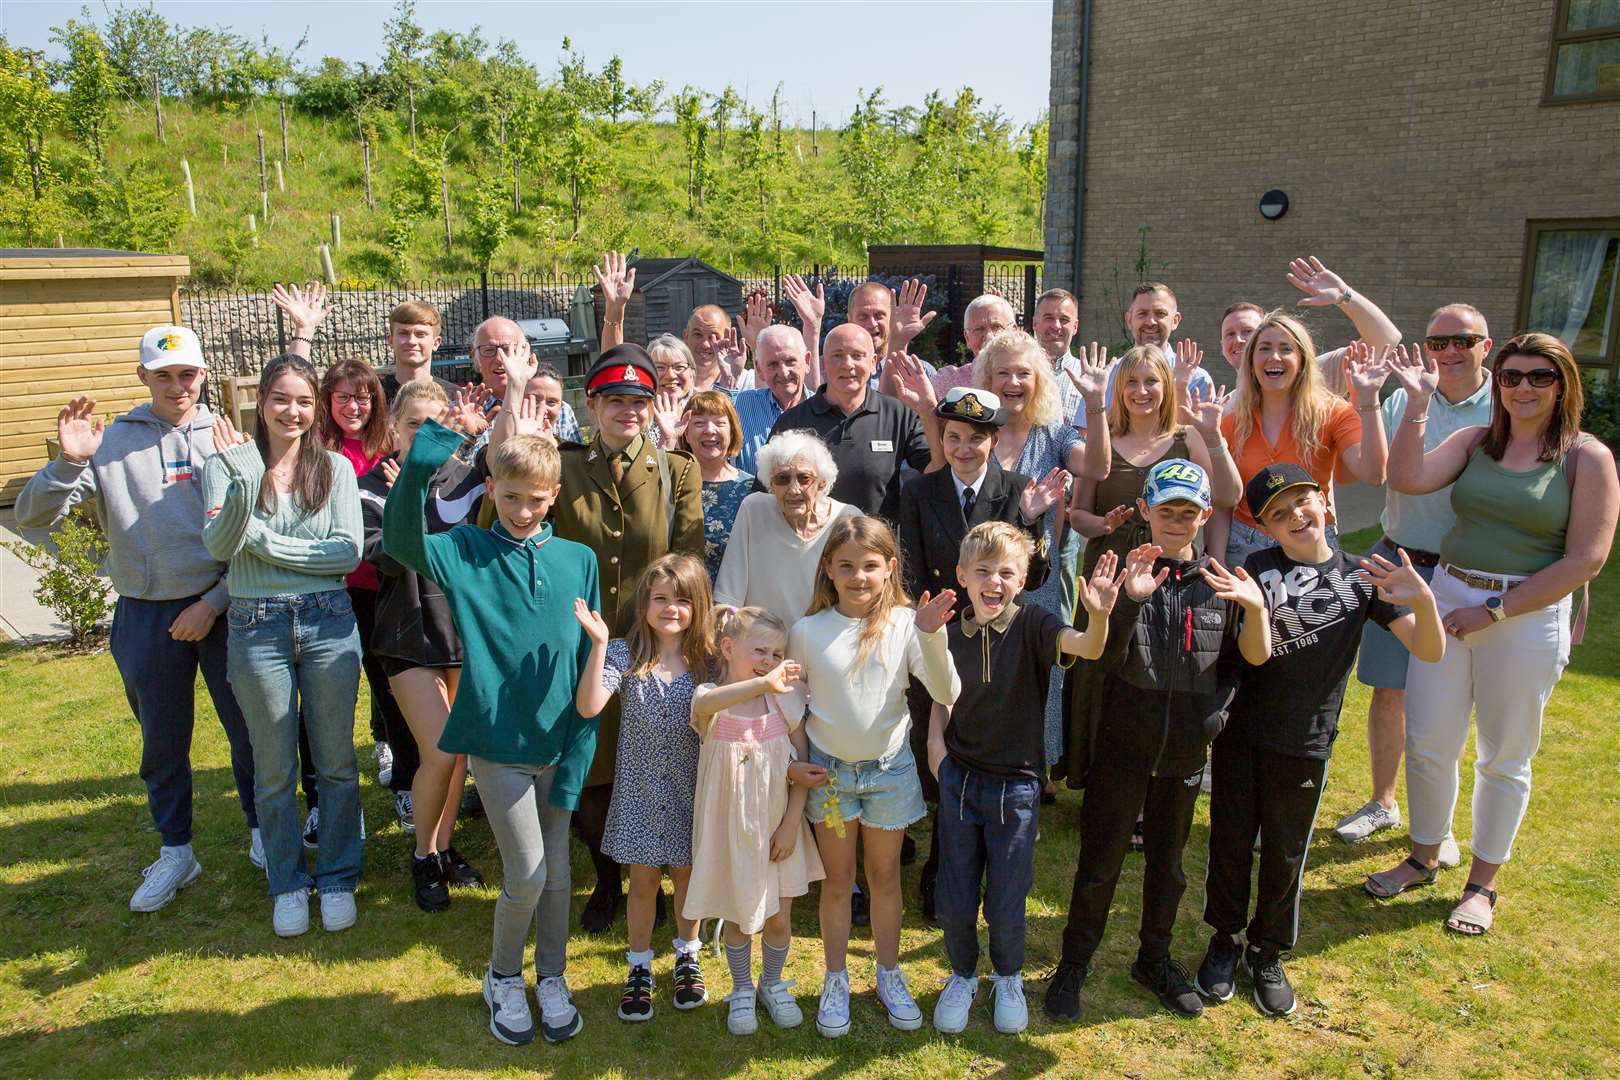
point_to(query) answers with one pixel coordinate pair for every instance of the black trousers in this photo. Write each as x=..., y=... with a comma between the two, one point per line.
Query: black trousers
x=1278, y=796
x=1116, y=787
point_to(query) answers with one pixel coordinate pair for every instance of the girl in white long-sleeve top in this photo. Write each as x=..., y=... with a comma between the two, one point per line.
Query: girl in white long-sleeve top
x=858, y=647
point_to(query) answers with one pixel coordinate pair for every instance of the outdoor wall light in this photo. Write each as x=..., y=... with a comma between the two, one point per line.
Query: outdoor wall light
x=1274, y=204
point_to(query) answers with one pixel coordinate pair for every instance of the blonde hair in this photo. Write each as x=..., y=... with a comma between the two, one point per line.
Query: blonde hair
x=1046, y=405
x=1148, y=356
x=417, y=391
x=1310, y=402
x=527, y=457
x=996, y=540
x=868, y=534
x=735, y=623
x=691, y=583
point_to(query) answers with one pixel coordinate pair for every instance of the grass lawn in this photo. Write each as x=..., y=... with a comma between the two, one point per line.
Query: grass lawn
x=204, y=988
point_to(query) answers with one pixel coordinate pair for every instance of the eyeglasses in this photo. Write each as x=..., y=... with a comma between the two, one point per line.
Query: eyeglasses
x=341, y=398
x=1440, y=342
x=787, y=479
x=1540, y=378
x=490, y=352
x=673, y=369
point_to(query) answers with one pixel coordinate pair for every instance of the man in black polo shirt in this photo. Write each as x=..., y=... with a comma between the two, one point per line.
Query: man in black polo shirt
x=871, y=435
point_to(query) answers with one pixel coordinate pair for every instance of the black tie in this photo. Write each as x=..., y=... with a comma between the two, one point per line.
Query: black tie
x=967, y=504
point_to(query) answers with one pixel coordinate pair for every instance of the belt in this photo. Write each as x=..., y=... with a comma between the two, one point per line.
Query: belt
x=1426, y=559
x=1478, y=581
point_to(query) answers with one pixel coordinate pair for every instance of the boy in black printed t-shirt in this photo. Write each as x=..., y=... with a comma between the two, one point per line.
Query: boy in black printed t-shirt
x=1272, y=758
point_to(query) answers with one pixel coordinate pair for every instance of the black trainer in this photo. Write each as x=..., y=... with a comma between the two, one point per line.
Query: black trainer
x=602, y=908
x=1217, y=975
x=458, y=871
x=1168, y=979
x=1272, y=993
x=690, y=990
x=427, y=876
x=636, y=1001
x=908, y=850
x=860, y=908
x=1063, y=991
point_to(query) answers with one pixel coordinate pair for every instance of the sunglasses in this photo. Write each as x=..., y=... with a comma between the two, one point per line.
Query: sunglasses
x=1439, y=342
x=1540, y=378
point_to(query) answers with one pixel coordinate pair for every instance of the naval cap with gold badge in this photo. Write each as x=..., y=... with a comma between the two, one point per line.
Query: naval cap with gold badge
x=623, y=369
x=971, y=405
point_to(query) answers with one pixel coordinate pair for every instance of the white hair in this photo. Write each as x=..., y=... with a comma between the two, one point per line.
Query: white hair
x=784, y=335
x=985, y=301
x=491, y=321
x=790, y=446
x=669, y=343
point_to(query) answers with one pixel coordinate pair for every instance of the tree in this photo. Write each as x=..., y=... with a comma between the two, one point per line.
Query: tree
x=140, y=211
x=1032, y=167
x=582, y=166
x=145, y=51
x=404, y=38
x=29, y=108
x=725, y=103
x=687, y=105
x=488, y=221
x=89, y=76
x=870, y=158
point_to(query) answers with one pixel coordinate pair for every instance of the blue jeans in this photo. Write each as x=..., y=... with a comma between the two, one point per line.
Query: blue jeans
x=987, y=829
x=160, y=681
x=287, y=651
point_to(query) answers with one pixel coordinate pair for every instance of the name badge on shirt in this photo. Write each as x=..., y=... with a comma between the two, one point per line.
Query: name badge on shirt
x=882, y=446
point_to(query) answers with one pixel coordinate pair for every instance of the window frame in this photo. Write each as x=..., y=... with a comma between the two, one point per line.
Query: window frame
x=1532, y=233
x=1561, y=37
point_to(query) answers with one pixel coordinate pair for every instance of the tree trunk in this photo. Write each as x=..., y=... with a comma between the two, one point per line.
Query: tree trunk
x=573, y=190
x=35, y=152
x=410, y=97
x=157, y=105
x=444, y=197
x=517, y=190
x=365, y=148
x=283, y=104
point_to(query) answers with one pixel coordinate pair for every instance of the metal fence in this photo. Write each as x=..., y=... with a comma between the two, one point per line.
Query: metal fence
x=1020, y=283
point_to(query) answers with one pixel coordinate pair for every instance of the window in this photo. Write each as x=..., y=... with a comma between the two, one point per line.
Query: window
x=1585, y=60
x=1570, y=286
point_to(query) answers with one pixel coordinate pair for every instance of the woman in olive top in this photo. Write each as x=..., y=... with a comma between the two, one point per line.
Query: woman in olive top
x=286, y=515
x=1536, y=503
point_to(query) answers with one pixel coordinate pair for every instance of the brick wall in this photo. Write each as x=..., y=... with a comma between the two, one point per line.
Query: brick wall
x=1409, y=137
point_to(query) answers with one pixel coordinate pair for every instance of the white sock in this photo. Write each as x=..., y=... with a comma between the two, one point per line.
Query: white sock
x=183, y=850
x=687, y=948
x=640, y=959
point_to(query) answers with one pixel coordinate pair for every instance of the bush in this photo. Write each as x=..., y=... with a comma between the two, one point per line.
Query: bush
x=71, y=587
x=1601, y=417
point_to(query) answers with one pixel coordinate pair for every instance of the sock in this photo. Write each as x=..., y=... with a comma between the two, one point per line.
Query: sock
x=422, y=858
x=686, y=948
x=741, y=959
x=770, y=970
x=640, y=959
x=501, y=975
x=183, y=850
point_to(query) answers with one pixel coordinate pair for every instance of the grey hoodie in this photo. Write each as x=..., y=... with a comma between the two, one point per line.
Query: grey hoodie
x=146, y=486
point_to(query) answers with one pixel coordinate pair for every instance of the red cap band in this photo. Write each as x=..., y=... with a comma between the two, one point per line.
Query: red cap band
x=618, y=374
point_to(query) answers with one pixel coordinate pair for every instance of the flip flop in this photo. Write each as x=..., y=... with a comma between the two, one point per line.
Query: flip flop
x=1468, y=925
x=1376, y=888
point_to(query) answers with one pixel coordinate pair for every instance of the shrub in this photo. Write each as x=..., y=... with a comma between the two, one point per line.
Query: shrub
x=1601, y=417
x=70, y=586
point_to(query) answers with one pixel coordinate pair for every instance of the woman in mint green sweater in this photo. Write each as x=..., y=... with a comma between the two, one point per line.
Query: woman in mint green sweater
x=285, y=514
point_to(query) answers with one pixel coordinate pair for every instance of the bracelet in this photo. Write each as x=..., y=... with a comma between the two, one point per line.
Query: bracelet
x=1424, y=419
x=1098, y=411
x=1349, y=294
x=612, y=322
x=305, y=340
x=1367, y=408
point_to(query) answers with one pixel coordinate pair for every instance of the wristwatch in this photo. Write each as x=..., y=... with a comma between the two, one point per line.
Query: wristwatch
x=1493, y=608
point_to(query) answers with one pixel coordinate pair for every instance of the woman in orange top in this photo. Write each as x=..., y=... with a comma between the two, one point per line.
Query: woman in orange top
x=1285, y=413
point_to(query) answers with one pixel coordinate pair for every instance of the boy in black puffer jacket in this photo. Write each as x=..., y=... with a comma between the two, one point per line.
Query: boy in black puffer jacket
x=1172, y=636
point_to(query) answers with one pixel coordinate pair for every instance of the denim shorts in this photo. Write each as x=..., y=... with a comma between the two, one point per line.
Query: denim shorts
x=1383, y=659
x=881, y=794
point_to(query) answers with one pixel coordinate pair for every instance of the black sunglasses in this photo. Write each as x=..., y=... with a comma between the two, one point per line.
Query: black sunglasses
x=1438, y=342
x=1540, y=378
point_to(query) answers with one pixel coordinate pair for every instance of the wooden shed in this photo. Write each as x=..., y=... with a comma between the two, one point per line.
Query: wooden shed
x=668, y=291
x=71, y=321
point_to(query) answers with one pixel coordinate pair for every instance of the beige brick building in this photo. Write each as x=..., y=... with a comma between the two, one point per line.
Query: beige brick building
x=1430, y=151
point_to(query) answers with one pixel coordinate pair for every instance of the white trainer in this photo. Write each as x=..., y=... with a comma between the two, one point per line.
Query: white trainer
x=337, y=911
x=955, y=1004
x=174, y=869
x=405, y=812
x=509, y=1018
x=832, y=1015
x=1007, y=994
x=256, y=848
x=740, y=1017
x=559, y=1019
x=291, y=917
x=779, y=1004
x=385, y=763
x=1370, y=819
x=896, y=999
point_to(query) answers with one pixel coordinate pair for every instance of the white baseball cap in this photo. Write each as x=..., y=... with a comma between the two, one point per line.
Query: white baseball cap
x=171, y=346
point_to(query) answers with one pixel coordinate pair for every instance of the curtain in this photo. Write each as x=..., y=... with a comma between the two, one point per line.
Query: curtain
x=1593, y=15
x=1568, y=263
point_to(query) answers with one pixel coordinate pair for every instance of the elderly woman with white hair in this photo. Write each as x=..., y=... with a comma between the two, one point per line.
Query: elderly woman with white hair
x=776, y=541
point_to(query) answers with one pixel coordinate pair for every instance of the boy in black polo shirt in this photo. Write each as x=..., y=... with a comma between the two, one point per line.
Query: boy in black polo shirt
x=1272, y=758
x=988, y=752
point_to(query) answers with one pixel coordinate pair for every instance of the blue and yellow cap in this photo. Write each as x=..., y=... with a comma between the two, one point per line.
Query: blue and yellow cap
x=1176, y=479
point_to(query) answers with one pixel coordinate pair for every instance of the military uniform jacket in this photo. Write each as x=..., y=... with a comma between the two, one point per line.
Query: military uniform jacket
x=628, y=526
x=931, y=526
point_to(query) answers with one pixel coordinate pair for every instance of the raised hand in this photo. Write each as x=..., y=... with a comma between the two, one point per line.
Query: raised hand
x=1364, y=373
x=595, y=628
x=306, y=307
x=520, y=364
x=733, y=359
x=467, y=411
x=225, y=433
x=1234, y=584
x=908, y=320
x=1099, y=593
x=755, y=318
x=78, y=430
x=667, y=414
x=1204, y=415
x=1188, y=359
x=617, y=279
x=1138, y=579
x=911, y=384
x=1321, y=286
x=531, y=418
x=811, y=308
x=783, y=678
x=1116, y=517
x=1092, y=378
x=935, y=612
x=1396, y=584
x=1415, y=371
x=1041, y=495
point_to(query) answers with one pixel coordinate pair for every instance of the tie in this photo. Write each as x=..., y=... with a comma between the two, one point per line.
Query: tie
x=967, y=504
x=616, y=468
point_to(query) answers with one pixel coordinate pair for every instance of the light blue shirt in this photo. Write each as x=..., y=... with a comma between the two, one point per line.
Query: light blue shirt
x=1422, y=521
x=758, y=410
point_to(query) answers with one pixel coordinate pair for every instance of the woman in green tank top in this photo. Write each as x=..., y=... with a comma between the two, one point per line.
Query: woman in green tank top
x=1144, y=421
x=1536, y=505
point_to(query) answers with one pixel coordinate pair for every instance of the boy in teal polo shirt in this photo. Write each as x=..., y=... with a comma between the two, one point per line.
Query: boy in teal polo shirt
x=511, y=589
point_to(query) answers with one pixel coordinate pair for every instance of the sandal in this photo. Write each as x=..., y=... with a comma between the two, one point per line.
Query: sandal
x=1377, y=887
x=1468, y=925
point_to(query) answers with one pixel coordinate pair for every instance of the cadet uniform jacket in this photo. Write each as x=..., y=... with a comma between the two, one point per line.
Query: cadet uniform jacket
x=932, y=526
